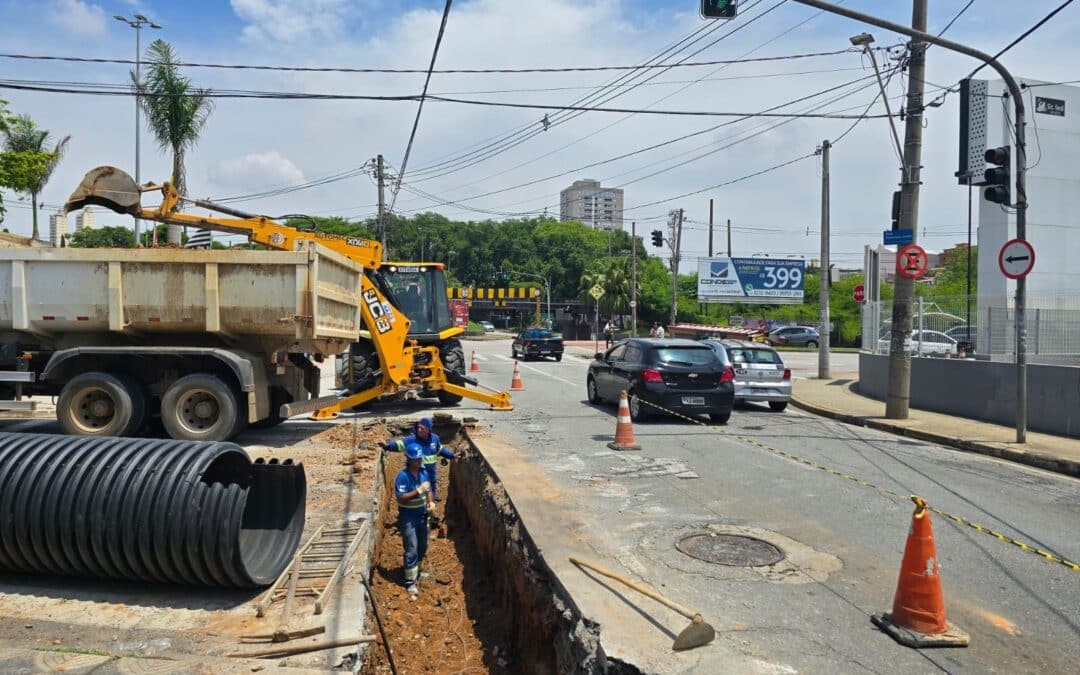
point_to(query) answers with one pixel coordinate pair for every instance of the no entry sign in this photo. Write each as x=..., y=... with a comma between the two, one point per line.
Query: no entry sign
x=912, y=262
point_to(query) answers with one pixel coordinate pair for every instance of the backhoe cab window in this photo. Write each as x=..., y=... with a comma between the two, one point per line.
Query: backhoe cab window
x=422, y=297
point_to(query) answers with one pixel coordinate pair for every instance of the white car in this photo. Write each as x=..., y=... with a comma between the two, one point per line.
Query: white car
x=928, y=343
x=488, y=326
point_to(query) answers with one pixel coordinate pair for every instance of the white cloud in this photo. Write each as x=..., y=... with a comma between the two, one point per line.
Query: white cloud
x=255, y=171
x=291, y=20
x=77, y=16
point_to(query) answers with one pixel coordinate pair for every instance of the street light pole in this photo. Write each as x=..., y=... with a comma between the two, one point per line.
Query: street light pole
x=137, y=22
x=1021, y=204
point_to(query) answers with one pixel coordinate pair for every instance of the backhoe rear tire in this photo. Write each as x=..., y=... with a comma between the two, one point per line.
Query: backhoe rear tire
x=363, y=365
x=453, y=358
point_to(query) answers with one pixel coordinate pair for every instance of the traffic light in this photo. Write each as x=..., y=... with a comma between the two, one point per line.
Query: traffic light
x=719, y=9
x=896, y=211
x=657, y=238
x=997, y=177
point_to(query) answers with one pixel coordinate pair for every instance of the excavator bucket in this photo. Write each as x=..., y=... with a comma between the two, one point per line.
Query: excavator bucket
x=109, y=187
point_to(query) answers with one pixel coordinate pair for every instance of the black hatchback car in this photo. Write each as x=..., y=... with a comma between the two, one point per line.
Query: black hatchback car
x=683, y=376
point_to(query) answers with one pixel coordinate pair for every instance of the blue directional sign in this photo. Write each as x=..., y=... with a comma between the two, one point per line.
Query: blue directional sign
x=899, y=237
x=774, y=281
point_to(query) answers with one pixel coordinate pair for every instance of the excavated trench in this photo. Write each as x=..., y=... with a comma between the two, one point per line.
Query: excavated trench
x=490, y=602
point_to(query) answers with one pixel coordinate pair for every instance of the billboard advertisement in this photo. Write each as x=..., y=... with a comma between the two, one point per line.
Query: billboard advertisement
x=770, y=281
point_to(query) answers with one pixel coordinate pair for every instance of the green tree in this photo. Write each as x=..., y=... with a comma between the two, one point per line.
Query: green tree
x=176, y=111
x=102, y=237
x=22, y=135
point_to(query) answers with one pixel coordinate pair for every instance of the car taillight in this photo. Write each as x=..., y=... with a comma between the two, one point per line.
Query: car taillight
x=728, y=375
x=787, y=373
x=651, y=375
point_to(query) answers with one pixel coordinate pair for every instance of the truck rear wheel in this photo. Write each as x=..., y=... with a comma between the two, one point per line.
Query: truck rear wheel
x=201, y=407
x=100, y=404
x=453, y=359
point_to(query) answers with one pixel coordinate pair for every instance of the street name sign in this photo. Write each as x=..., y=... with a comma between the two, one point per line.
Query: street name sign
x=899, y=237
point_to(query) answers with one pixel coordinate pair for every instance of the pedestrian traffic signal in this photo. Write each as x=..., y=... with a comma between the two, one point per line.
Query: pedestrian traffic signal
x=719, y=9
x=657, y=238
x=997, y=177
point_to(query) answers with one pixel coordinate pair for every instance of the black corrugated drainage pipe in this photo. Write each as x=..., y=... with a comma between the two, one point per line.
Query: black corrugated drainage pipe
x=181, y=512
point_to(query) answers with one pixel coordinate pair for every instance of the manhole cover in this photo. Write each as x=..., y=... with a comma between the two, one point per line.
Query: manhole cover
x=730, y=549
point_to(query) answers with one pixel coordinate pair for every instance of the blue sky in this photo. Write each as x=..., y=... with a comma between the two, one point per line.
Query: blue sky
x=252, y=145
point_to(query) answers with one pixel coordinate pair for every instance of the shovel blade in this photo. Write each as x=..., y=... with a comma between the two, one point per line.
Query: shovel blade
x=697, y=634
x=106, y=186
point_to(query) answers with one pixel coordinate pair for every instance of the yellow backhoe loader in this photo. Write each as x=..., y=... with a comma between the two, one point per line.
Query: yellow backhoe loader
x=410, y=347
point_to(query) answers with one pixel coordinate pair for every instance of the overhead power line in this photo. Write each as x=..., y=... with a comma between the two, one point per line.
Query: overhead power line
x=420, y=108
x=449, y=71
x=119, y=90
x=508, y=140
x=610, y=125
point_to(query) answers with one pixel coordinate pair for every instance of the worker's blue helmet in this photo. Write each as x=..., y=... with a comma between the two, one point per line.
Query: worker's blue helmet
x=414, y=451
x=424, y=422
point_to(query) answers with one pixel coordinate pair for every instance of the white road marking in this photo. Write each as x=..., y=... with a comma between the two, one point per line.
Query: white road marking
x=537, y=370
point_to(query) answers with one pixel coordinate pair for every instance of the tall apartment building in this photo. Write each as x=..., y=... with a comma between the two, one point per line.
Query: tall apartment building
x=58, y=228
x=85, y=220
x=596, y=206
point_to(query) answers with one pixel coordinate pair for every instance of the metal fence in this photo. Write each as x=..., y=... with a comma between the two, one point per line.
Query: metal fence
x=984, y=328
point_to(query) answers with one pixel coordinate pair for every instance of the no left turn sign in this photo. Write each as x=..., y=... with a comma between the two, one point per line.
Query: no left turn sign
x=1016, y=258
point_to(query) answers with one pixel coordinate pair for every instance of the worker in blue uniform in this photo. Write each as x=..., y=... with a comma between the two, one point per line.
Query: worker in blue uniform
x=427, y=439
x=413, y=493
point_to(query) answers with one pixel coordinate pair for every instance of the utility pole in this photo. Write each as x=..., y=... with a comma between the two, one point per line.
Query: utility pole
x=633, y=279
x=919, y=35
x=710, y=226
x=729, y=237
x=898, y=396
x=826, y=277
x=380, y=175
x=676, y=240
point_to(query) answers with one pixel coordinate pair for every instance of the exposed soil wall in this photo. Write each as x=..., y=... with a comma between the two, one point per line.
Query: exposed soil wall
x=490, y=603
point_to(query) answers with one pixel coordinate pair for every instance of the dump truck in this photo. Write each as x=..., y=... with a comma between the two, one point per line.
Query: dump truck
x=206, y=341
x=162, y=333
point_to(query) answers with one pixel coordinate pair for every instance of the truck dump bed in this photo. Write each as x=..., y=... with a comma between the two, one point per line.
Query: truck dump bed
x=303, y=301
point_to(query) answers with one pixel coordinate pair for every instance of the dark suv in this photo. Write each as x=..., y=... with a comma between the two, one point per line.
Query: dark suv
x=682, y=376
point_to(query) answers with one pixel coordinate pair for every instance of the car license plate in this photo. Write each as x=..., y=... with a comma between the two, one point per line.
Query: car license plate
x=741, y=371
x=693, y=400
x=545, y=351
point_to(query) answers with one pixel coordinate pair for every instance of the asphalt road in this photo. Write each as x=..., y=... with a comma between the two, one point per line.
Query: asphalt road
x=846, y=539
x=843, y=540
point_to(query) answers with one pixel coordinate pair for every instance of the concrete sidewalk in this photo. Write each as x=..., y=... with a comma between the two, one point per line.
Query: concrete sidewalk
x=837, y=398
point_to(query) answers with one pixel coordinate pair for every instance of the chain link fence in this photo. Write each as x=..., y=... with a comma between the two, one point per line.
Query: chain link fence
x=980, y=327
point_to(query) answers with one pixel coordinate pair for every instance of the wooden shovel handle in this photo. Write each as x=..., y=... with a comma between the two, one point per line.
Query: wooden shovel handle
x=648, y=592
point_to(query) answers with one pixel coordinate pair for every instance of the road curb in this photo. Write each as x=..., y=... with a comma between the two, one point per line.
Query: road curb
x=1067, y=467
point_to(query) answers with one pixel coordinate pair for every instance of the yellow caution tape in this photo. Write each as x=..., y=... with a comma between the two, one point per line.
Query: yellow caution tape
x=956, y=519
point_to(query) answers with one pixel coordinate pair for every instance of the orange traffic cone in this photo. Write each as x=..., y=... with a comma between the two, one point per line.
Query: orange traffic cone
x=515, y=383
x=918, y=616
x=624, y=427
x=474, y=367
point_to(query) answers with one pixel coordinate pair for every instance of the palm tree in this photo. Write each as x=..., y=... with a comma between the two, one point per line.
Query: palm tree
x=616, y=298
x=176, y=112
x=23, y=135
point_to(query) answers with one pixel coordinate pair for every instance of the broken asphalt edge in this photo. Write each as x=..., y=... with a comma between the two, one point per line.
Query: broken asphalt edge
x=1039, y=460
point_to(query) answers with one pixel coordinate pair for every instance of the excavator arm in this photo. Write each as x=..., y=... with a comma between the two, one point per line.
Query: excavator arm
x=404, y=364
